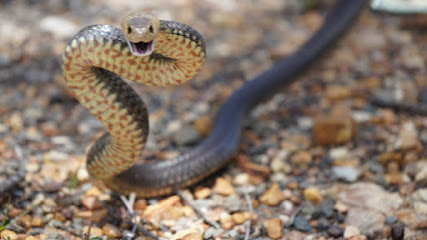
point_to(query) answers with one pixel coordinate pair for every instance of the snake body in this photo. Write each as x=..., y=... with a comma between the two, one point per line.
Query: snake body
x=98, y=54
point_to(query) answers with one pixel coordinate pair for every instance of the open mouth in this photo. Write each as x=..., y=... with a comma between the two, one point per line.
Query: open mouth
x=141, y=48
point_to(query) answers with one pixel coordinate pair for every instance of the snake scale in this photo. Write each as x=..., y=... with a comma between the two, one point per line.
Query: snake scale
x=163, y=53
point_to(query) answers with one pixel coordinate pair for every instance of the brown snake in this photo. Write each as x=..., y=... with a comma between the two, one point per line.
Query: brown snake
x=163, y=53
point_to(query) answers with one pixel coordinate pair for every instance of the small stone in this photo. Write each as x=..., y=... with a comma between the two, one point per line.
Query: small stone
x=370, y=196
x=398, y=232
x=333, y=129
x=277, y=165
x=336, y=92
x=93, y=191
x=92, y=203
x=367, y=219
x=390, y=220
x=202, y=193
x=111, y=231
x=313, y=195
x=58, y=26
x=203, y=125
x=408, y=136
x=301, y=158
x=187, y=234
x=295, y=235
x=82, y=175
x=335, y=231
x=57, y=156
x=5, y=61
x=240, y=217
x=30, y=238
x=273, y=195
x=59, y=217
x=224, y=187
x=140, y=204
x=94, y=231
x=394, y=178
x=340, y=207
x=241, y=179
x=186, y=136
x=406, y=216
x=169, y=208
x=226, y=221
x=274, y=228
x=348, y=174
x=421, y=176
x=420, y=207
x=37, y=221
x=324, y=209
x=302, y=223
x=351, y=231
x=95, y=215
x=8, y=234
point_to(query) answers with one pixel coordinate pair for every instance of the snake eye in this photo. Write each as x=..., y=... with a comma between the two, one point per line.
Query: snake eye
x=129, y=30
x=151, y=29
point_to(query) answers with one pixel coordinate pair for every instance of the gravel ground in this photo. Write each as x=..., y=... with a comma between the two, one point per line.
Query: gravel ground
x=317, y=160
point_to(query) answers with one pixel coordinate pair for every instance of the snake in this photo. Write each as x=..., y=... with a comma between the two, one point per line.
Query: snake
x=164, y=53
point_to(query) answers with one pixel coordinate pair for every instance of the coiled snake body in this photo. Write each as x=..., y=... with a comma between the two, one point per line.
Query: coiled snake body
x=163, y=53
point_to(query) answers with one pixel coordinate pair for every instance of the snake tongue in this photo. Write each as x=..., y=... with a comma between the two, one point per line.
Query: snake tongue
x=141, y=48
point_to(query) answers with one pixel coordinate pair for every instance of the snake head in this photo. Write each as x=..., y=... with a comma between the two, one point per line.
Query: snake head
x=140, y=30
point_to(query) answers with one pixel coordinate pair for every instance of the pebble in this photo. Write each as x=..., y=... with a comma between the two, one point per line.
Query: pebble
x=7, y=234
x=57, y=156
x=351, y=231
x=37, y=221
x=398, y=232
x=111, y=231
x=232, y=203
x=187, y=234
x=324, y=209
x=348, y=174
x=58, y=26
x=336, y=92
x=240, y=217
x=408, y=136
x=224, y=187
x=364, y=218
x=186, y=136
x=273, y=196
x=169, y=208
x=421, y=176
x=313, y=195
x=5, y=61
x=203, y=125
x=92, y=203
x=226, y=221
x=274, y=228
x=301, y=158
x=302, y=223
x=340, y=207
x=390, y=220
x=335, y=231
x=94, y=231
x=202, y=193
x=241, y=179
x=370, y=196
x=329, y=129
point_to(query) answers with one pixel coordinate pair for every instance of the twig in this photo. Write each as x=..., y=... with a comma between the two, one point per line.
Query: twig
x=198, y=211
x=134, y=219
x=417, y=109
x=249, y=221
